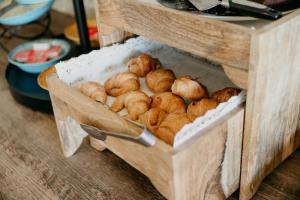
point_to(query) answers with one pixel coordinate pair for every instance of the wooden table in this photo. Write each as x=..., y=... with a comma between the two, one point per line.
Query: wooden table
x=32, y=165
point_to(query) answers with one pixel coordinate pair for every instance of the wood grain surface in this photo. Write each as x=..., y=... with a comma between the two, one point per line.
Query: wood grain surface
x=213, y=168
x=272, y=123
x=32, y=166
x=218, y=41
x=238, y=76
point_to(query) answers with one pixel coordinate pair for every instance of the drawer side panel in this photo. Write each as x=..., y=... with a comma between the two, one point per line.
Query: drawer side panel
x=209, y=168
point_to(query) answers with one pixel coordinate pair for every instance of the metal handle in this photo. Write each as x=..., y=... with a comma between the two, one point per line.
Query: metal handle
x=178, y=4
x=145, y=138
x=252, y=9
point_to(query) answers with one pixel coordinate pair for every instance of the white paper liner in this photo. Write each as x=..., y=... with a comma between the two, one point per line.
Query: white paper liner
x=190, y=130
x=99, y=65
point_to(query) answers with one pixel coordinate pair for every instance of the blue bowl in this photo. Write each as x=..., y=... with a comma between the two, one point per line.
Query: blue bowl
x=29, y=16
x=39, y=67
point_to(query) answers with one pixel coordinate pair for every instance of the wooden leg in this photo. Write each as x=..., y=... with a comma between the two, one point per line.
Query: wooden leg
x=97, y=144
x=273, y=103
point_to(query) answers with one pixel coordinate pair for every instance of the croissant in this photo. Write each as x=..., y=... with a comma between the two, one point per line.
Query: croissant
x=153, y=118
x=94, y=90
x=170, y=126
x=168, y=102
x=160, y=80
x=143, y=64
x=197, y=109
x=188, y=88
x=225, y=94
x=121, y=84
x=136, y=102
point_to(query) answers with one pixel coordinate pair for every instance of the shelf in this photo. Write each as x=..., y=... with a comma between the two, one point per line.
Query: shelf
x=218, y=41
x=260, y=56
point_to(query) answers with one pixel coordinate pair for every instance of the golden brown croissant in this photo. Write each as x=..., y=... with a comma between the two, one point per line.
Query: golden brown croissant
x=153, y=118
x=143, y=64
x=188, y=88
x=170, y=126
x=160, y=80
x=197, y=109
x=121, y=84
x=225, y=94
x=136, y=102
x=168, y=102
x=94, y=90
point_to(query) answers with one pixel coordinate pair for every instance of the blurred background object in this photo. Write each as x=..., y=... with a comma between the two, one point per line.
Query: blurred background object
x=38, y=55
x=71, y=32
x=24, y=21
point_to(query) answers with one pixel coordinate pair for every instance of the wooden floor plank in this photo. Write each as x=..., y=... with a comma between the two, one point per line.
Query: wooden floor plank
x=32, y=165
x=32, y=148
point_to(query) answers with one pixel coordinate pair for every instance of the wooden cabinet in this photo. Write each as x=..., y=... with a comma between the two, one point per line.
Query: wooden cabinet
x=262, y=57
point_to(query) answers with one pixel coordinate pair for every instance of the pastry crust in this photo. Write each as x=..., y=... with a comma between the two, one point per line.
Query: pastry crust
x=188, y=88
x=225, y=94
x=153, y=118
x=94, y=90
x=168, y=102
x=197, y=109
x=136, y=102
x=121, y=84
x=143, y=64
x=160, y=80
x=170, y=126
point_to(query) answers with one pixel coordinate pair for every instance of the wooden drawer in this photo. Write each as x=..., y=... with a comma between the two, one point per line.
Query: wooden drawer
x=206, y=166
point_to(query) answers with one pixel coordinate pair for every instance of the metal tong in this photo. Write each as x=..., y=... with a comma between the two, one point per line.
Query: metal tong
x=145, y=138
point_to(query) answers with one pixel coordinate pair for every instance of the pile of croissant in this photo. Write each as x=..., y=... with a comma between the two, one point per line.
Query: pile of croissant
x=165, y=112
